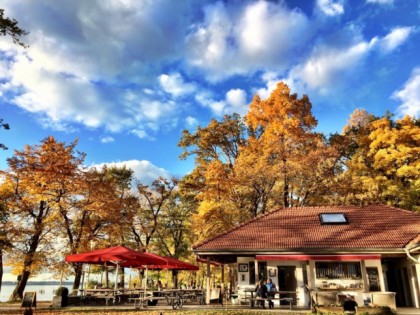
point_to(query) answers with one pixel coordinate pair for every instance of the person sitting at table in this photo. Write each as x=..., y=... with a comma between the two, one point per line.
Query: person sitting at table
x=349, y=305
x=261, y=290
x=271, y=288
x=159, y=285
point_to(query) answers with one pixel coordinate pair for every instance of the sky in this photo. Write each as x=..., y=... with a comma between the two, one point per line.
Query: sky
x=125, y=77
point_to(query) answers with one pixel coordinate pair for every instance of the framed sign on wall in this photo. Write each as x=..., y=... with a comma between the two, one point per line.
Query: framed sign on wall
x=243, y=267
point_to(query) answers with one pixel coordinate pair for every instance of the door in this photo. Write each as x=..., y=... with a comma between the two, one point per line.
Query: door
x=287, y=281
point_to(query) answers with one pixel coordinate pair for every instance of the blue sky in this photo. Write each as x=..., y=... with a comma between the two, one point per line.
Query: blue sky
x=127, y=76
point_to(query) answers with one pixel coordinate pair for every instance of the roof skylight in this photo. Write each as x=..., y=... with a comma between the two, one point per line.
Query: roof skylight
x=333, y=218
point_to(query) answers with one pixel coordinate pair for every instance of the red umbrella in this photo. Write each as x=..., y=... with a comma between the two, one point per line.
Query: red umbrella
x=174, y=264
x=170, y=263
x=118, y=255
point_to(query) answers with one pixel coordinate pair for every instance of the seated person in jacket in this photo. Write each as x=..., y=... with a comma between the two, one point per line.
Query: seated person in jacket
x=261, y=290
x=271, y=288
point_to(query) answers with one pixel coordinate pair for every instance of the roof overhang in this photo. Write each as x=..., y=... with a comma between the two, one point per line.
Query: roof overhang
x=318, y=257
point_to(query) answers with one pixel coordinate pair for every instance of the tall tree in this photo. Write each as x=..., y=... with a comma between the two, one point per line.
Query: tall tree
x=174, y=235
x=39, y=177
x=151, y=203
x=282, y=124
x=91, y=215
x=385, y=166
x=5, y=233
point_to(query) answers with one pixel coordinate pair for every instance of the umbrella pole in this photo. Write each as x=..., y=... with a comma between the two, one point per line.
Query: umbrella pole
x=83, y=279
x=116, y=278
x=145, y=285
x=88, y=276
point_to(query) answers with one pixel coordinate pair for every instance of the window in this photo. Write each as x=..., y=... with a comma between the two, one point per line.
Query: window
x=338, y=270
x=251, y=269
x=333, y=218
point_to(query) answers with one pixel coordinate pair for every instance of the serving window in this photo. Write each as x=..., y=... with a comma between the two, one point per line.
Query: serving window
x=338, y=270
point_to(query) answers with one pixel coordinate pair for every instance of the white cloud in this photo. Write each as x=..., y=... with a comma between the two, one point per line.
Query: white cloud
x=246, y=38
x=107, y=139
x=381, y=1
x=395, y=38
x=139, y=133
x=175, y=84
x=409, y=95
x=330, y=7
x=235, y=101
x=144, y=171
x=87, y=62
x=327, y=65
x=271, y=80
x=191, y=121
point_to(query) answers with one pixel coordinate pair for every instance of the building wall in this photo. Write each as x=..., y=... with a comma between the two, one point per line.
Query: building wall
x=413, y=281
x=307, y=269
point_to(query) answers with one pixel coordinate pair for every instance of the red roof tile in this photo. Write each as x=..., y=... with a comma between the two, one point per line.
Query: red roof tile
x=370, y=227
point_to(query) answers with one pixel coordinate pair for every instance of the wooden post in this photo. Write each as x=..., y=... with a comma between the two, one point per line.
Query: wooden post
x=208, y=282
x=222, y=288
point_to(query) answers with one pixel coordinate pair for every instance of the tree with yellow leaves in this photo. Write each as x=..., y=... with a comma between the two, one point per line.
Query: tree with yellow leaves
x=282, y=125
x=245, y=168
x=385, y=167
x=38, y=179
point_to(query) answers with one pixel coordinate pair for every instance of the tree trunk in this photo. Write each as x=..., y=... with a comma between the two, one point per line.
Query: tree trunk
x=1, y=268
x=77, y=276
x=29, y=258
x=285, y=185
x=21, y=285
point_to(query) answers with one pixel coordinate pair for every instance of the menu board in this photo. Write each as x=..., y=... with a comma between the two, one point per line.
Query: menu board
x=29, y=299
x=373, y=278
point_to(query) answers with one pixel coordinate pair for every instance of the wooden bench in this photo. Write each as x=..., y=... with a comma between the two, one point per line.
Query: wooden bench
x=286, y=299
x=105, y=297
x=143, y=300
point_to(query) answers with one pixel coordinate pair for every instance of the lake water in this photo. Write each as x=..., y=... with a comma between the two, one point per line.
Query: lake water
x=44, y=291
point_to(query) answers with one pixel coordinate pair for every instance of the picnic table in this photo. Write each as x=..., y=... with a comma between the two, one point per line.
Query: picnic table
x=281, y=296
x=174, y=297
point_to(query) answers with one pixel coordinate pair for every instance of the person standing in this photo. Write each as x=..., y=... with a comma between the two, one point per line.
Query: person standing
x=271, y=288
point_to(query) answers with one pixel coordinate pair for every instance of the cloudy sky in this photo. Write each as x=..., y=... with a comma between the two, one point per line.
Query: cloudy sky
x=125, y=77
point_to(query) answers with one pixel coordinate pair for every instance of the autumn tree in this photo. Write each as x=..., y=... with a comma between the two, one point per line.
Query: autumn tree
x=282, y=124
x=385, y=166
x=5, y=235
x=38, y=178
x=92, y=214
x=150, y=206
x=175, y=234
x=271, y=159
x=216, y=148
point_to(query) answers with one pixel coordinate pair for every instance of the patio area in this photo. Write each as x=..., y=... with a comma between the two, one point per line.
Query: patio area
x=190, y=307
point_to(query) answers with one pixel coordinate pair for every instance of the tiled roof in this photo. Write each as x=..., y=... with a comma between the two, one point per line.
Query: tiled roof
x=370, y=227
